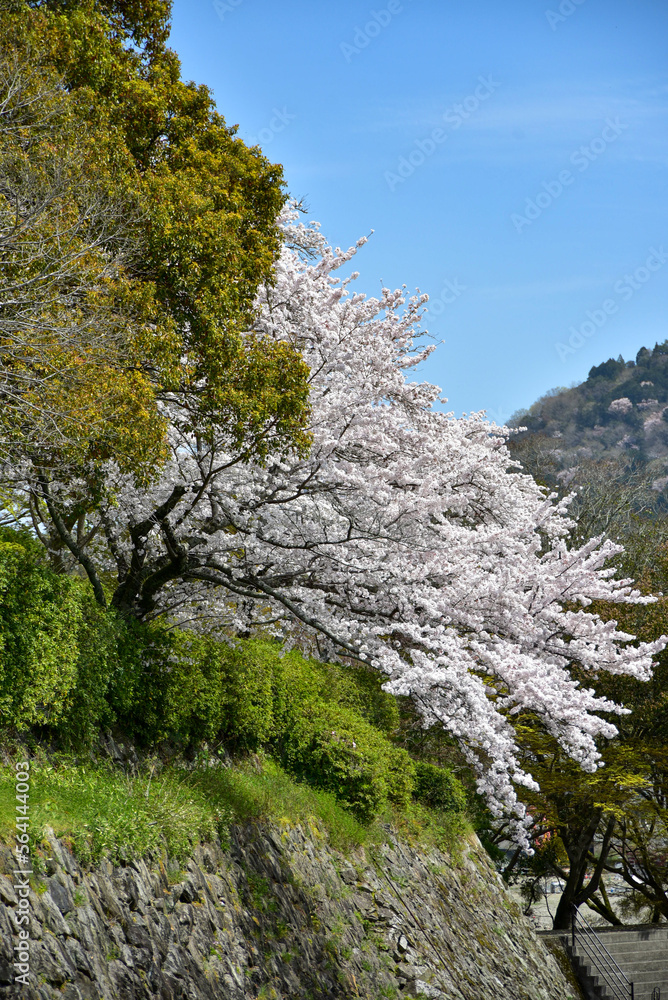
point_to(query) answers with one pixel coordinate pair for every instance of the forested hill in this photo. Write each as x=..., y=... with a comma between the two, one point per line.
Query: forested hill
x=620, y=412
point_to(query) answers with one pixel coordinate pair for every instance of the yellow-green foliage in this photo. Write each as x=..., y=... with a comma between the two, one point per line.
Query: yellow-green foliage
x=195, y=209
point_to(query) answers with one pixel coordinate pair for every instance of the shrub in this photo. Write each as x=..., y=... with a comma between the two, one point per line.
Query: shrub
x=189, y=688
x=40, y=618
x=355, y=687
x=248, y=696
x=242, y=692
x=65, y=662
x=87, y=707
x=333, y=748
x=438, y=788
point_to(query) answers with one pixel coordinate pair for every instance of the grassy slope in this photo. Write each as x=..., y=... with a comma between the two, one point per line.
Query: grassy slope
x=104, y=812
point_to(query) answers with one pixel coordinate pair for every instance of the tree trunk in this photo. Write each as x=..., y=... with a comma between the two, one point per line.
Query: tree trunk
x=580, y=854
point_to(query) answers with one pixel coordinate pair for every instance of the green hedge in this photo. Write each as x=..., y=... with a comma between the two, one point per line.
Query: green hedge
x=57, y=647
x=333, y=748
x=243, y=692
x=70, y=667
x=40, y=616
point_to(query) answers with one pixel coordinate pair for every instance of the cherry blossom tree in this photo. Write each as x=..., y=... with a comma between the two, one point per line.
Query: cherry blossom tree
x=406, y=538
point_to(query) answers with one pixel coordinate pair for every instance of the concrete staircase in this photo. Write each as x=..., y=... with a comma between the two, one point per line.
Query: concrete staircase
x=642, y=955
x=640, y=952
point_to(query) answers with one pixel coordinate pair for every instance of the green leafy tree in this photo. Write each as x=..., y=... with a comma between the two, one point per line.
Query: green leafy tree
x=170, y=226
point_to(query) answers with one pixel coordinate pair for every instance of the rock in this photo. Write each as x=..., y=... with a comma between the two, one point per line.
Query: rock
x=422, y=989
x=78, y=956
x=6, y=972
x=348, y=875
x=60, y=895
x=363, y=902
x=122, y=980
x=106, y=895
x=186, y=894
x=137, y=934
x=7, y=893
x=51, y=917
x=48, y=959
x=71, y=992
x=410, y=972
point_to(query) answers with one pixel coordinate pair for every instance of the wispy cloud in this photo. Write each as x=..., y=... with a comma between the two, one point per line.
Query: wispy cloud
x=517, y=125
x=547, y=287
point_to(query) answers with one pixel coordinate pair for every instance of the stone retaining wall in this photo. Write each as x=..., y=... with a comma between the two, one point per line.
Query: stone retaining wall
x=278, y=914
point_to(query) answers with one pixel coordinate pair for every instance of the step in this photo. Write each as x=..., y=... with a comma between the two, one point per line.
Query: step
x=618, y=938
x=595, y=978
x=645, y=972
x=624, y=947
x=643, y=987
x=640, y=954
x=599, y=981
x=633, y=960
x=644, y=969
x=630, y=959
x=641, y=971
x=642, y=932
x=623, y=940
x=638, y=965
x=649, y=982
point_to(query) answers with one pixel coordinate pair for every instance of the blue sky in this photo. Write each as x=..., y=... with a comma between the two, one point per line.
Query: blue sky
x=510, y=157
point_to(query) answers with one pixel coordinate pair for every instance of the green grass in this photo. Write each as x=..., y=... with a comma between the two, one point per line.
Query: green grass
x=104, y=812
x=273, y=795
x=420, y=826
